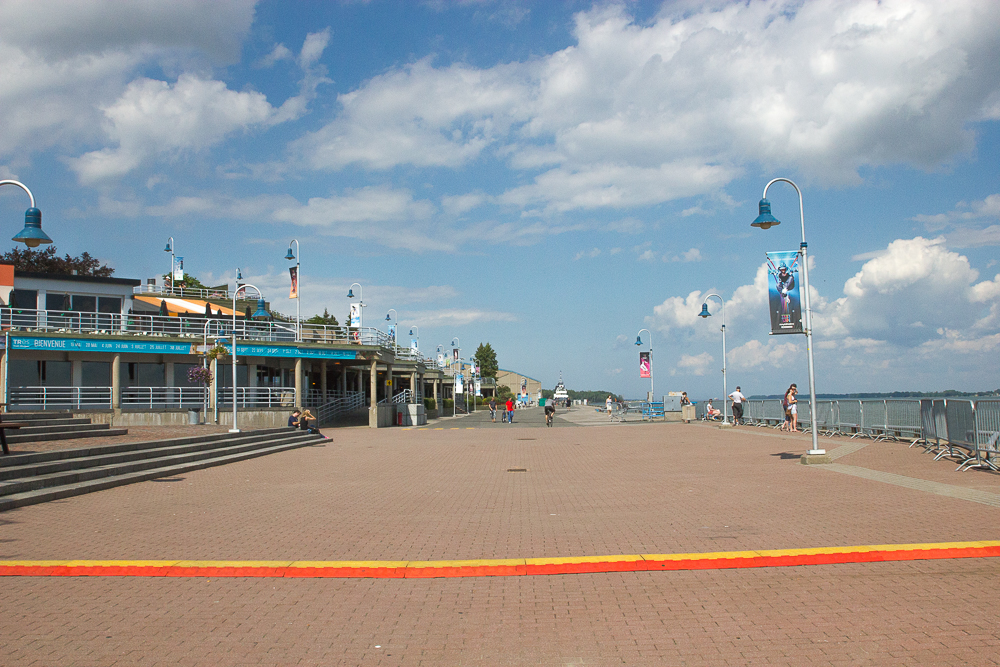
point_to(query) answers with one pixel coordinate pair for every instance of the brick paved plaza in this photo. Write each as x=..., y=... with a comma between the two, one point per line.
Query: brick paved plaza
x=443, y=492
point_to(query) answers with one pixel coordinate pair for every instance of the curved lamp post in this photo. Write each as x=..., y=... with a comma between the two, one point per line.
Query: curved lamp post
x=170, y=249
x=298, y=286
x=765, y=220
x=638, y=341
x=361, y=306
x=260, y=314
x=32, y=234
x=725, y=390
x=456, y=343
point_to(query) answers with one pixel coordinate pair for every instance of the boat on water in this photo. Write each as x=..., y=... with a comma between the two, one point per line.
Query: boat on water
x=560, y=393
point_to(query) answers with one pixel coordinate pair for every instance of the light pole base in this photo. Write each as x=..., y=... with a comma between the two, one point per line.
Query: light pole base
x=235, y=430
x=815, y=457
x=725, y=425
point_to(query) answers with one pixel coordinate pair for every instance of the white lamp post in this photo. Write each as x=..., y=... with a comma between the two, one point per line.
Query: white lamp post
x=361, y=307
x=638, y=341
x=170, y=249
x=725, y=391
x=765, y=220
x=259, y=314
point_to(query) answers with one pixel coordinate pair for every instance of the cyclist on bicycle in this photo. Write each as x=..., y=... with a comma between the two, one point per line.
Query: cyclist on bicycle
x=550, y=410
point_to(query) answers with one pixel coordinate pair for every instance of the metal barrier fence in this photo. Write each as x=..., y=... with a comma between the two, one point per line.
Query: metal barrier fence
x=59, y=398
x=348, y=403
x=164, y=397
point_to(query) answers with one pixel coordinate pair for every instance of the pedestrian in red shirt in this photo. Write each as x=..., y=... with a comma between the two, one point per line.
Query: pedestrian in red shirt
x=510, y=411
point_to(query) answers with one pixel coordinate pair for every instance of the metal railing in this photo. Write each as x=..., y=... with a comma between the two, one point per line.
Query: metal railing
x=183, y=292
x=183, y=326
x=258, y=397
x=164, y=397
x=404, y=396
x=349, y=403
x=59, y=398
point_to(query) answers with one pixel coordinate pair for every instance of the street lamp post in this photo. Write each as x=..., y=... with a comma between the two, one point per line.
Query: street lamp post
x=417, y=335
x=32, y=234
x=457, y=344
x=170, y=249
x=638, y=341
x=298, y=286
x=260, y=314
x=395, y=328
x=765, y=220
x=361, y=306
x=725, y=390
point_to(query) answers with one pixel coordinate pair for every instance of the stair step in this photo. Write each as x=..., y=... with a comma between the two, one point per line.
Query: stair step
x=159, y=459
x=35, y=465
x=97, y=450
x=61, y=428
x=46, y=422
x=69, y=490
x=15, y=438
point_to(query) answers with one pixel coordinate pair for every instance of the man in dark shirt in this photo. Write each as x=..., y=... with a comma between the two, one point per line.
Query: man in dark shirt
x=293, y=421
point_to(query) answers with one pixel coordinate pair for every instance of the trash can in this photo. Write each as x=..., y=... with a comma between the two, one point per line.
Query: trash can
x=194, y=416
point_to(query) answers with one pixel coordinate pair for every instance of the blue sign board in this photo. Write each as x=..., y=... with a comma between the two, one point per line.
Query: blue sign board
x=293, y=352
x=98, y=345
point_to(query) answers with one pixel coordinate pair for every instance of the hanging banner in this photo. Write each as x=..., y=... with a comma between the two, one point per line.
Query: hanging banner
x=355, y=315
x=178, y=268
x=645, y=366
x=413, y=344
x=459, y=384
x=294, y=292
x=392, y=332
x=455, y=353
x=783, y=292
x=479, y=388
x=440, y=360
x=524, y=387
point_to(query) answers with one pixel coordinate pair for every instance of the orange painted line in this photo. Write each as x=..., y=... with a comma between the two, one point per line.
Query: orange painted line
x=507, y=567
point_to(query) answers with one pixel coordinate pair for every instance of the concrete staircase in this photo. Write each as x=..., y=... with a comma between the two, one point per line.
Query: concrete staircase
x=55, y=426
x=28, y=479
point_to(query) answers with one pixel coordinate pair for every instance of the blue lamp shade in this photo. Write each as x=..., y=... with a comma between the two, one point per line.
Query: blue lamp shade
x=638, y=340
x=289, y=254
x=261, y=313
x=765, y=219
x=411, y=332
x=32, y=234
x=704, y=311
x=239, y=275
x=350, y=294
x=168, y=248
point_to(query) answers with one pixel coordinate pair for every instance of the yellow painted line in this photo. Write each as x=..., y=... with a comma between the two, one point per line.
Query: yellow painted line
x=350, y=563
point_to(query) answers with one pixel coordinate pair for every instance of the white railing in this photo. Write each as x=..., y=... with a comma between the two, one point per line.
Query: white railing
x=59, y=398
x=164, y=397
x=183, y=292
x=350, y=402
x=402, y=397
x=258, y=397
x=185, y=326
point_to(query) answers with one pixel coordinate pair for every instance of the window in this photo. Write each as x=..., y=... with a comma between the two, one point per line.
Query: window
x=109, y=304
x=55, y=301
x=24, y=298
x=84, y=304
x=96, y=374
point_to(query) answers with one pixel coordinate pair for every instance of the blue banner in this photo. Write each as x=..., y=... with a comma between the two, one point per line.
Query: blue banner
x=98, y=345
x=783, y=292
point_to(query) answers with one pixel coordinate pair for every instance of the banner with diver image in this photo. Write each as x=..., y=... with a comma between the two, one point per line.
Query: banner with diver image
x=645, y=368
x=783, y=292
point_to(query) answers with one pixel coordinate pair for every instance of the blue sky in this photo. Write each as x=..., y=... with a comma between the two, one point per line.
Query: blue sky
x=549, y=177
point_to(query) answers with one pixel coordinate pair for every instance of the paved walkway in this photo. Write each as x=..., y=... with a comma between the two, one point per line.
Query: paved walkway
x=432, y=495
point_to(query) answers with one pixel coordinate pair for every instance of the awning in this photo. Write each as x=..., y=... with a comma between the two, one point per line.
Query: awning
x=177, y=306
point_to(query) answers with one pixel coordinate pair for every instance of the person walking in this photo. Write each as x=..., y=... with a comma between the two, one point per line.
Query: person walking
x=493, y=409
x=607, y=404
x=788, y=403
x=510, y=411
x=737, y=398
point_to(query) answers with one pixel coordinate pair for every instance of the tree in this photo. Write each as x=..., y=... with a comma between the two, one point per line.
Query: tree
x=486, y=358
x=46, y=261
x=189, y=282
x=326, y=318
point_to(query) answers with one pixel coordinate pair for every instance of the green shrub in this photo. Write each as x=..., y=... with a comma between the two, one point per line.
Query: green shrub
x=429, y=404
x=448, y=404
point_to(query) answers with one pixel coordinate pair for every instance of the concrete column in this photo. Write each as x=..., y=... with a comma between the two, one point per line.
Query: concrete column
x=413, y=386
x=76, y=370
x=390, y=382
x=213, y=386
x=322, y=379
x=373, y=399
x=252, y=375
x=300, y=396
x=437, y=394
x=168, y=374
x=342, y=379
x=360, y=381
x=116, y=382
x=4, y=390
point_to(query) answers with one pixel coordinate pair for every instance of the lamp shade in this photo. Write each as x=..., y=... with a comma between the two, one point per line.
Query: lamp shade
x=350, y=294
x=32, y=234
x=239, y=275
x=261, y=313
x=168, y=248
x=704, y=311
x=638, y=340
x=289, y=254
x=411, y=332
x=765, y=219
x=387, y=318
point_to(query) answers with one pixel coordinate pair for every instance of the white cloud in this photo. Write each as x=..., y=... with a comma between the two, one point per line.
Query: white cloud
x=459, y=204
x=647, y=256
x=965, y=223
x=695, y=364
x=588, y=253
x=754, y=354
x=459, y=317
x=635, y=114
